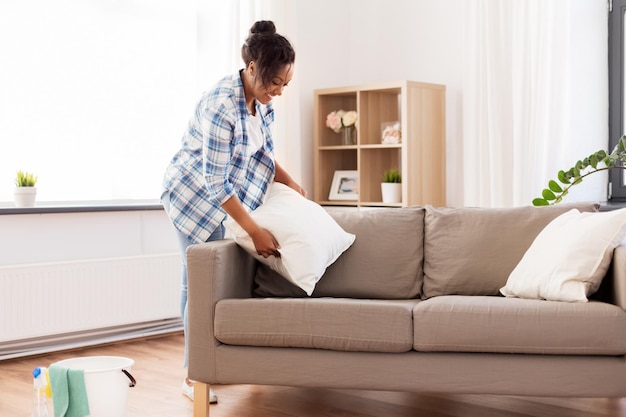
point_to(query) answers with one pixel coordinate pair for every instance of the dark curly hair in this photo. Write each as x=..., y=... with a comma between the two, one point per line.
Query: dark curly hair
x=269, y=50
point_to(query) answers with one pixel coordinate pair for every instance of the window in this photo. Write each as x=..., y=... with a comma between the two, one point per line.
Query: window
x=617, y=104
x=95, y=94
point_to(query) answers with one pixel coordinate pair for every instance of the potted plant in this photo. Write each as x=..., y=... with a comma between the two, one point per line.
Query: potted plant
x=25, y=190
x=593, y=163
x=391, y=186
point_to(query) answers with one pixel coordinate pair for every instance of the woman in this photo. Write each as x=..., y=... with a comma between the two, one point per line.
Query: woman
x=226, y=161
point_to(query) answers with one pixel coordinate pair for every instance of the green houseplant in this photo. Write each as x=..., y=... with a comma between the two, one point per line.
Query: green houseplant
x=596, y=162
x=391, y=187
x=25, y=179
x=392, y=175
x=25, y=190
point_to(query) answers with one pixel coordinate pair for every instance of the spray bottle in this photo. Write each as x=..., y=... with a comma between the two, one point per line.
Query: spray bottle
x=40, y=385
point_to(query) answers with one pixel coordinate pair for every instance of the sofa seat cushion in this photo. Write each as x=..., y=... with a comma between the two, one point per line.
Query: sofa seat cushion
x=513, y=325
x=320, y=323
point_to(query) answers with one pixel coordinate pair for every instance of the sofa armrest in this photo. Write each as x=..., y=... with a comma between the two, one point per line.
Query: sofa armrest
x=215, y=270
x=618, y=276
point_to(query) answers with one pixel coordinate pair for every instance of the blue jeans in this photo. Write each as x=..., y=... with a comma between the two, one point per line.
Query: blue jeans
x=183, y=244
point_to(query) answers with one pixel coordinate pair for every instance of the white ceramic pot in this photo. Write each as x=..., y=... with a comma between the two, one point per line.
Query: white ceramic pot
x=25, y=196
x=392, y=192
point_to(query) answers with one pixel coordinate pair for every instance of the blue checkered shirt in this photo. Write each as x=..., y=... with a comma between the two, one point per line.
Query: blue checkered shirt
x=216, y=163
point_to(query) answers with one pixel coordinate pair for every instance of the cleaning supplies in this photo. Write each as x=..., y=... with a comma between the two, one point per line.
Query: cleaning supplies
x=69, y=391
x=41, y=388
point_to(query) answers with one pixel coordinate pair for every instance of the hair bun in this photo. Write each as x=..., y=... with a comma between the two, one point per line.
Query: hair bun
x=264, y=27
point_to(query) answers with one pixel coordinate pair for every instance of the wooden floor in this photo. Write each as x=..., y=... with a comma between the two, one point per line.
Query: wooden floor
x=159, y=373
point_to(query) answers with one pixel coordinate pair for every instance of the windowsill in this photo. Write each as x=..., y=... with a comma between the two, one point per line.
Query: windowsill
x=138, y=205
x=82, y=206
x=613, y=204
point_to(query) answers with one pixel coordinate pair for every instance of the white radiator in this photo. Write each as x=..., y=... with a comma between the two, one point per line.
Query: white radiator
x=49, y=306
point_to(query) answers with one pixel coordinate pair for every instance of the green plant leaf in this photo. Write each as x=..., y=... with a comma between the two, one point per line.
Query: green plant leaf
x=392, y=175
x=25, y=179
x=573, y=176
x=554, y=186
x=607, y=161
x=548, y=195
x=563, y=178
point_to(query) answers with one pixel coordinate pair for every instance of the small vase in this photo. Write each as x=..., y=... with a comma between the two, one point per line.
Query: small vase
x=348, y=136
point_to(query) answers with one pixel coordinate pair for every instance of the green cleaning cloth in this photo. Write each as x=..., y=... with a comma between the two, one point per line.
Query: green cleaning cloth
x=69, y=394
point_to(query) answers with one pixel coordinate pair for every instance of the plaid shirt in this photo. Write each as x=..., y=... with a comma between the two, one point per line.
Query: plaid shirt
x=215, y=161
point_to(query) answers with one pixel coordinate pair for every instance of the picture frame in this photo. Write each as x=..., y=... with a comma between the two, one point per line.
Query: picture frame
x=345, y=186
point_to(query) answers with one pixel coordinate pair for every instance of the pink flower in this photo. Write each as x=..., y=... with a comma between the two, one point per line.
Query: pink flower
x=333, y=120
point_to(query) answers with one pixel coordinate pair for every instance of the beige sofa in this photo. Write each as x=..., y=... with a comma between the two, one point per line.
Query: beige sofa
x=412, y=305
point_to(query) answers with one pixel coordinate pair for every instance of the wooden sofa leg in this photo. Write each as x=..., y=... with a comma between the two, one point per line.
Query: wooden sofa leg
x=201, y=399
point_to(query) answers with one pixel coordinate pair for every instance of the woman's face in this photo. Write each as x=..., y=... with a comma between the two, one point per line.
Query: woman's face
x=265, y=93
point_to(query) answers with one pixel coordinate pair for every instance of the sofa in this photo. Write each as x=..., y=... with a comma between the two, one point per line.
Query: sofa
x=414, y=304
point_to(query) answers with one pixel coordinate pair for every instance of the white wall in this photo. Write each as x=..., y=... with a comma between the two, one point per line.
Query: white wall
x=364, y=41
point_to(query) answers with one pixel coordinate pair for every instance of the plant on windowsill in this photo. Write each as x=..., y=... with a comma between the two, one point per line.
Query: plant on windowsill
x=25, y=190
x=593, y=163
x=391, y=187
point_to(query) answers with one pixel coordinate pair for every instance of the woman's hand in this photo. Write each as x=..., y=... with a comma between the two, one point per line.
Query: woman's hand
x=294, y=185
x=265, y=243
x=283, y=176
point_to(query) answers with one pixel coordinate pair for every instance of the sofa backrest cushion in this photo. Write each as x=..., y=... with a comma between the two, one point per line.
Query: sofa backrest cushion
x=384, y=262
x=472, y=251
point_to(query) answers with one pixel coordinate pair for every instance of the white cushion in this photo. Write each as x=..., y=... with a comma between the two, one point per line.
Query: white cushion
x=569, y=257
x=309, y=238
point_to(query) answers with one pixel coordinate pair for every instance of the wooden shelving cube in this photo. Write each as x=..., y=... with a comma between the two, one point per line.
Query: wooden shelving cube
x=420, y=157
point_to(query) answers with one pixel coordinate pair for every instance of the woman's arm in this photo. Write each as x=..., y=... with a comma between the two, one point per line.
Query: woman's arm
x=264, y=242
x=283, y=177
